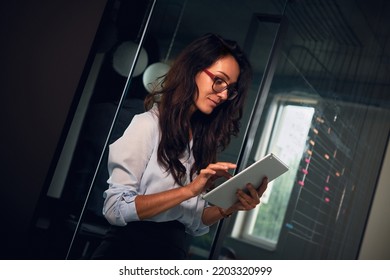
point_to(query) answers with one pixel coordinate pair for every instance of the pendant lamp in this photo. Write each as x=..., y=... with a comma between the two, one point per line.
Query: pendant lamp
x=124, y=55
x=154, y=73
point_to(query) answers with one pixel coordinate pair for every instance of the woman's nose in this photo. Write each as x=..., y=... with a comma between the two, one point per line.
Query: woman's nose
x=223, y=94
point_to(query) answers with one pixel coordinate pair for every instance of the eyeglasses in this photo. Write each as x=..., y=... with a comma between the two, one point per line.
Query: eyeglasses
x=219, y=85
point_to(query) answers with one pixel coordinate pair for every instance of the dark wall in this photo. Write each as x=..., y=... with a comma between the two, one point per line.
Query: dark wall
x=44, y=49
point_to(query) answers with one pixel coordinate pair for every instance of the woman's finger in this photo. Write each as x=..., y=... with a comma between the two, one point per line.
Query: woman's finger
x=262, y=188
x=246, y=200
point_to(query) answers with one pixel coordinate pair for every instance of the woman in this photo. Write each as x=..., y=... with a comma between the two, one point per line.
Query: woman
x=167, y=156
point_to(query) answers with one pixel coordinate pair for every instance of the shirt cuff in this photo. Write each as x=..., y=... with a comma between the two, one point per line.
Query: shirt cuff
x=127, y=207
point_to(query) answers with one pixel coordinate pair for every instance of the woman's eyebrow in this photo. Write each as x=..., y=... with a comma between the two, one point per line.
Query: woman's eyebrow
x=226, y=75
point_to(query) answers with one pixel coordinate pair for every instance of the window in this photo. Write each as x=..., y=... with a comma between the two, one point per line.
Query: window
x=285, y=134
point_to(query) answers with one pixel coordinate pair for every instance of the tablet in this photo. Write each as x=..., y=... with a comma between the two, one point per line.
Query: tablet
x=224, y=195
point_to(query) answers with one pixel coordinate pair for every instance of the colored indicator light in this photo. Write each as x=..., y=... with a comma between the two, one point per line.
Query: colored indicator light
x=326, y=156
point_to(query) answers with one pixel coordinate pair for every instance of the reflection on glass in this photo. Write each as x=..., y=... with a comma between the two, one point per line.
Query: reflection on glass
x=288, y=142
x=289, y=126
x=329, y=194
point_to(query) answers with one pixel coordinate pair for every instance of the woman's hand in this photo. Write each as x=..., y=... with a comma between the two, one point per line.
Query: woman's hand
x=208, y=175
x=246, y=201
x=250, y=199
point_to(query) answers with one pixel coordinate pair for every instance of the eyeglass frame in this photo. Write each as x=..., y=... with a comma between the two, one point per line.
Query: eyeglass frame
x=232, y=92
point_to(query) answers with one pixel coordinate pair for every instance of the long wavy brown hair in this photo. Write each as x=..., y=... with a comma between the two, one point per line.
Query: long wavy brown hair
x=211, y=133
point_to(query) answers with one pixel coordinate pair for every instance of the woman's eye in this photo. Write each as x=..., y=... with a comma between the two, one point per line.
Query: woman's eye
x=219, y=82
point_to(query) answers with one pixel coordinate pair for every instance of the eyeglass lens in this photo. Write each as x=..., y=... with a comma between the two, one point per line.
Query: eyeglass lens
x=220, y=85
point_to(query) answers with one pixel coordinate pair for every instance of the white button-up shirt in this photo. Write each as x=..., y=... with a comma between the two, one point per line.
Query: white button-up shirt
x=134, y=170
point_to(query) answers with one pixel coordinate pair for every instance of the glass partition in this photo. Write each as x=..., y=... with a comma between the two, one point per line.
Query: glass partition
x=327, y=116
x=70, y=222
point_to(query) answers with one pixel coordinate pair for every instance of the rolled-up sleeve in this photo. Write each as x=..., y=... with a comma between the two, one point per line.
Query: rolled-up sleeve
x=119, y=207
x=127, y=160
x=198, y=228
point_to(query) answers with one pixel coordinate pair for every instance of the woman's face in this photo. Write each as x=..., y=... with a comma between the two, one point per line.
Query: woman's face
x=226, y=69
